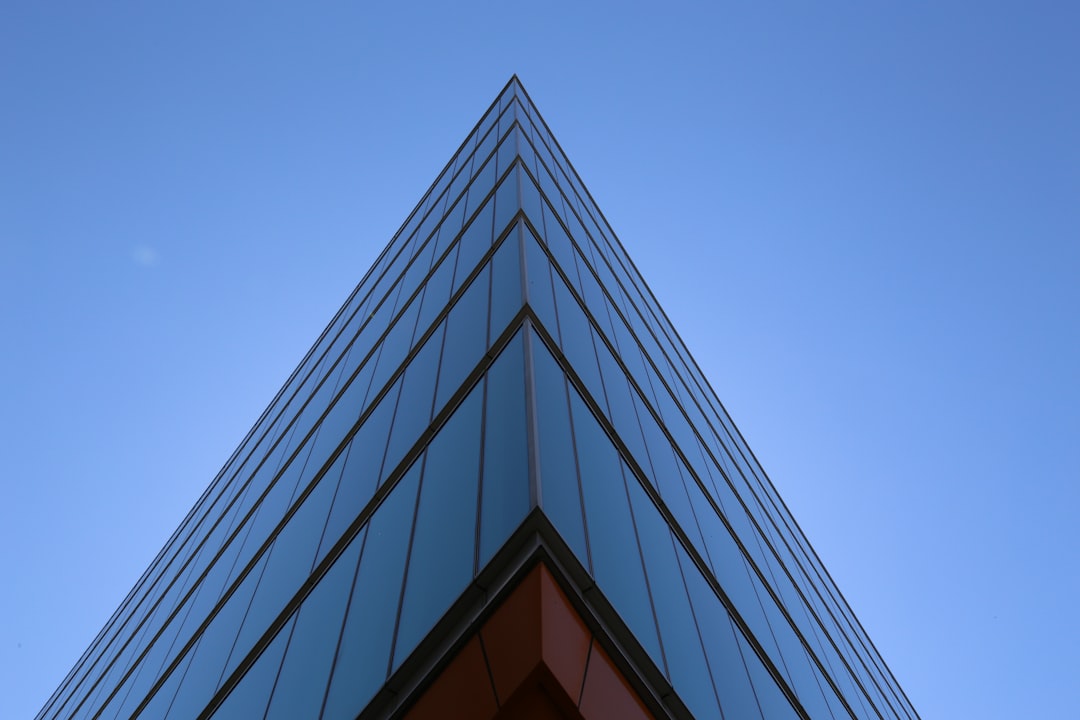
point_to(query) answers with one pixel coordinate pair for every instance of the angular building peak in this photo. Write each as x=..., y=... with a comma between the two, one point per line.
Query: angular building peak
x=497, y=485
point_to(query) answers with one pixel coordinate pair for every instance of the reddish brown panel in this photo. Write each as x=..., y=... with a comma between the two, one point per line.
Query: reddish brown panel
x=512, y=636
x=533, y=703
x=461, y=692
x=565, y=637
x=607, y=695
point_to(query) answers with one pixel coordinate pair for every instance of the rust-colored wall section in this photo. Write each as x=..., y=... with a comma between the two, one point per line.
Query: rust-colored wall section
x=607, y=694
x=534, y=659
x=512, y=636
x=533, y=703
x=462, y=691
x=565, y=638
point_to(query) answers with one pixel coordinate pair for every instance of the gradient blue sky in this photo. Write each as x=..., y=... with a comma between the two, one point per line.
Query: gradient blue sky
x=864, y=219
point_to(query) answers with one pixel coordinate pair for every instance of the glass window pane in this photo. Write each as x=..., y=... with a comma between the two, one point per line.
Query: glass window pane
x=541, y=297
x=682, y=645
x=480, y=187
x=612, y=541
x=508, y=150
x=466, y=331
x=474, y=242
x=395, y=346
x=530, y=200
x=436, y=293
x=364, y=649
x=505, y=284
x=361, y=472
x=306, y=668
x=561, y=497
x=205, y=674
x=414, y=407
x=729, y=673
x=577, y=341
x=771, y=699
x=506, y=200
x=505, y=494
x=248, y=699
x=441, y=558
x=289, y=564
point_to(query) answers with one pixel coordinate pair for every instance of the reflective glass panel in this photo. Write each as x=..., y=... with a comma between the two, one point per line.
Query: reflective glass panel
x=443, y=543
x=505, y=492
x=363, y=654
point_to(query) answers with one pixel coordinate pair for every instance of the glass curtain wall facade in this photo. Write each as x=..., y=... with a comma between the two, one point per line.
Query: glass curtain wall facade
x=501, y=386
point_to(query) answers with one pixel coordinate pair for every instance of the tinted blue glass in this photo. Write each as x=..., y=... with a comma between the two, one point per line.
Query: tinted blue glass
x=730, y=677
x=561, y=496
x=332, y=432
x=620, y=406
x=462, y=178
x=505, y=492
x=508, y=150
x=540, y=294
x=363, y=653
x=250, y=696
x=474, y=242
x=414, y=407
x=197, y=610
x=332, y=479
x=481, y=186
x=361, y=472
x=487, y=144
x=612, y=541
x=144, y=675
x=306, y=668
x=441, y=557
x=528, y=159
x=667, y=477
x=289, y=564
x=554, y=197
x=466, y=331
x=577, y=341
x=395, y=346
x=417, y=271
x=560, y=247
x=530, y=201
x=506, y=200
x=801, y=671
x=682, y=645
x=594, y=297
x=208, y=662
x=158, y=706
x=505, y=284
x=436, y=292
x=771, y=699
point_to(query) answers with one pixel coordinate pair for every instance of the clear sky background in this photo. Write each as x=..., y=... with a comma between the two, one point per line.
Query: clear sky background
x=863, y=218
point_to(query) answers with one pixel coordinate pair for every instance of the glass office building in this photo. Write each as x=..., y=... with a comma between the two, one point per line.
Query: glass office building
x=497, y=486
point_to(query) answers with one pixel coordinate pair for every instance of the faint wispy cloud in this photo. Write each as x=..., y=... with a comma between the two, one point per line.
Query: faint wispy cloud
x=145, y=256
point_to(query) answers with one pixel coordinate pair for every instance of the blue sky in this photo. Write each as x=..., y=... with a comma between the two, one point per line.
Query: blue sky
x=863, y=219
